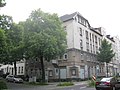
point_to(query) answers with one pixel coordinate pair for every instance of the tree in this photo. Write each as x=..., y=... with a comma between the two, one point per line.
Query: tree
x=44, y=37
x=15, y=44
x=2, y=3
x=6, y=22
x=105, y=53
x=3, y=45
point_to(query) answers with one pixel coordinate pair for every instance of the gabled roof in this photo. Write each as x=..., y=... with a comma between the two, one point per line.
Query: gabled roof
x=67, y=17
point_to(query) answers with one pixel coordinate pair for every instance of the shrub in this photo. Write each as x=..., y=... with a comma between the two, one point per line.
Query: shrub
x=2, y=85
x=65, y=84
x=91, y=83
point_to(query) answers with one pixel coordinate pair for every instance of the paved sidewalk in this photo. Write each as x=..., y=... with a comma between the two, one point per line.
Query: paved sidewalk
x=81, y=83
x=75, y=83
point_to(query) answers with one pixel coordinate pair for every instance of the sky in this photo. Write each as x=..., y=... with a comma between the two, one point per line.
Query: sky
x=99, y=13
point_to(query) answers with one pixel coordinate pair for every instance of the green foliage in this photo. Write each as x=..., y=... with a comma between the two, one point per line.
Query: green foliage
x=105, y=53
x=91, y=83
x=15, y=42
x=2, y=3
x=3, y=45
x=2, y=85
x=44, y=35
x=66, y=84
x=6, y=22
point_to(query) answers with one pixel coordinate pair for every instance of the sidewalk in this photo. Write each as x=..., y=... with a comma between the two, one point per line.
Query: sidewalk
x=75, y=83
x=81, y=83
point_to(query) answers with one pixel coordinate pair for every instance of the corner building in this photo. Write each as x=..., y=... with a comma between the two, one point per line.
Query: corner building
x=83, y=42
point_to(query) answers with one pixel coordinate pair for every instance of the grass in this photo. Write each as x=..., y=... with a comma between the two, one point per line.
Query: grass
x=2, y=85
x=37, y=83
x=66, y=84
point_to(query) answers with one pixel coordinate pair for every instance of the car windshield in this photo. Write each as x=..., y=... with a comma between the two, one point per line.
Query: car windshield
x=105, y=79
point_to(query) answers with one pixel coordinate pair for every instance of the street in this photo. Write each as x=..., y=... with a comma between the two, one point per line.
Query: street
x=14, y=86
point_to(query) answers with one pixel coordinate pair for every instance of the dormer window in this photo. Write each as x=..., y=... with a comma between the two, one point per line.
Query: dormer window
x=65, y=56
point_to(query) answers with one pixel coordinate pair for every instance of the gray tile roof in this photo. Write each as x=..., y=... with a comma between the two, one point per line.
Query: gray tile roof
x=67, y=16
x=70, y=16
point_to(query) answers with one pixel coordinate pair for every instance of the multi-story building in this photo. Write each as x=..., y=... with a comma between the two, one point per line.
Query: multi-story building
x=83, y=42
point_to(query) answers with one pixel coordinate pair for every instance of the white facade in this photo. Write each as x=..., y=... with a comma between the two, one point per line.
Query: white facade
x=76, y=36
x=10, y=68
x=7, y=69
x=20, y=67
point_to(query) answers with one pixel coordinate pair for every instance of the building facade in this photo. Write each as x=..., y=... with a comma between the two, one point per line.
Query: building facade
x=83, y=42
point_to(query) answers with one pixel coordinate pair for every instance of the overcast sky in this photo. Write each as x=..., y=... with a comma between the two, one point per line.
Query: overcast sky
x=99, y=13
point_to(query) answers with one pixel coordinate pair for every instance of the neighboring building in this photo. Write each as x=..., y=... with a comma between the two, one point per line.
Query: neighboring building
x=20, y=65
x=83, y=42
x=33, y=69
x=7, y=69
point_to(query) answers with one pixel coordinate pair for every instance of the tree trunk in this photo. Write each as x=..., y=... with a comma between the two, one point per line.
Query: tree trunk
x=43, y=69
x=107, y=68
x=15, y=68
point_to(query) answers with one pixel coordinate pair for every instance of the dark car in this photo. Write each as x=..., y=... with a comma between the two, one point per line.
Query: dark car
x=13, y=78
x=109, y=83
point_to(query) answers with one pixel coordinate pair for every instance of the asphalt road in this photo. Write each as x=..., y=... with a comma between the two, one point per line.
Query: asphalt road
x=14, y=86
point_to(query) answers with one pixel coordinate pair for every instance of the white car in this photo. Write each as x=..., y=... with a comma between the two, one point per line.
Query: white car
x=13, y=78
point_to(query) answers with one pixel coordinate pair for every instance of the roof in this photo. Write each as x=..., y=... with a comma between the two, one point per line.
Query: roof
x=68, y=16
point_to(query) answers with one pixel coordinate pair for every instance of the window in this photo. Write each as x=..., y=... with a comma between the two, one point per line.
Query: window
x=22, y=69
x=90, y=36
x=81, y=44
x=96, y=48
x=95, y=39
x=87, y=46
x=91, y=47
x=57, y=71
x=50, y=73
x=73, y=72
x=80, y=31
x=65, y=56
x=79, y=19
x=86, y=34
x=19, y=70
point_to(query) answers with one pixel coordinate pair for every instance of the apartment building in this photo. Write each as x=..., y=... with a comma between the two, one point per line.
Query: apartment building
x=83, y=42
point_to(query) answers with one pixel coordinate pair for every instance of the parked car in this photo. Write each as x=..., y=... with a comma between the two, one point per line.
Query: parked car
x=110, y=83
x=13, y=78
